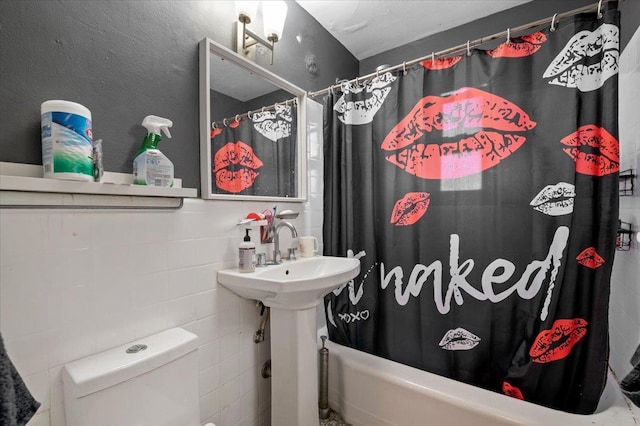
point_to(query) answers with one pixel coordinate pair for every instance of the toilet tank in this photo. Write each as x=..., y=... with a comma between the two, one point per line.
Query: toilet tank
x=157, y=385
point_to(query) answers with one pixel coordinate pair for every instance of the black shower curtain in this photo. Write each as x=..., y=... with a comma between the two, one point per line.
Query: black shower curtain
x=256, y=155
x=480, y=194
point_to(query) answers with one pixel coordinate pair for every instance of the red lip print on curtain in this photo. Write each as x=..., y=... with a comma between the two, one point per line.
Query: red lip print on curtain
x=482, y=192
x=257, y=155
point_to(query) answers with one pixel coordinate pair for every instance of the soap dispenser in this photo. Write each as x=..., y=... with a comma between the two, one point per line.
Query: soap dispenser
x=247, y=262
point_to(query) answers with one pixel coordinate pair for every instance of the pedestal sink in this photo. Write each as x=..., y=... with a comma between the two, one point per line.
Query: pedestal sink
x=292, y=290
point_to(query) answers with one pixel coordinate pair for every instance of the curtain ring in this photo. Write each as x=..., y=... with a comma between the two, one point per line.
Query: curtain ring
x=262, y=110
x=224, y=121
x=214, y=125
x=599, y=10
x=553, y=23
x=508, y=35
x=249, y=115
x=404, y=67
x=237, y=118
x=468, y=48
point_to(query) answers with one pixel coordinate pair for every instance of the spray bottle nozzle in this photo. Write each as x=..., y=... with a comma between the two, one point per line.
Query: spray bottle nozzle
x=155, y=124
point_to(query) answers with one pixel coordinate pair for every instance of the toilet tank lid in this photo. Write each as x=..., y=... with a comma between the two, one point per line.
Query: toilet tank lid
x=105, y=369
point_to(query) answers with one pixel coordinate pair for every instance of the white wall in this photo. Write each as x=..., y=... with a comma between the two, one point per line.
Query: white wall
x=77, y=282
x=624, y=311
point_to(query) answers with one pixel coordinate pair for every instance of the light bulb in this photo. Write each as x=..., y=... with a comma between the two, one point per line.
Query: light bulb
x=275, y=13
x=246, y=10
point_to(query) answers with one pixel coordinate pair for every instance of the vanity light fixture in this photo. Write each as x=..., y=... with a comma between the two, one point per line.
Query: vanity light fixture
x=274, y=13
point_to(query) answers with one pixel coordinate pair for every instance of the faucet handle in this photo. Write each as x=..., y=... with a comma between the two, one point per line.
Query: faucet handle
x=292, y=253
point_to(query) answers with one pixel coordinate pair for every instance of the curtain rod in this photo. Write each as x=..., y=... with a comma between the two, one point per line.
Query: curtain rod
x=468, y=45
x=225, y=122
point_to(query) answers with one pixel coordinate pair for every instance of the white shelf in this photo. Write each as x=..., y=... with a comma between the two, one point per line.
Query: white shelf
x=17, y=181
x=34, y=184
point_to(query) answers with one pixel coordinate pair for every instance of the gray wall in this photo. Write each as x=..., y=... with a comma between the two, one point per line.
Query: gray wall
x=514, y=17
x=126, y=59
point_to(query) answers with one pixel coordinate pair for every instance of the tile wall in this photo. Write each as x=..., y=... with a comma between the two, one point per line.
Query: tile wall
x=74, y=283
x=624, y=311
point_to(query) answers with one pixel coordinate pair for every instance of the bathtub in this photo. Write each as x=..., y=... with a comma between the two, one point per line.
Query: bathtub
x=368, y=390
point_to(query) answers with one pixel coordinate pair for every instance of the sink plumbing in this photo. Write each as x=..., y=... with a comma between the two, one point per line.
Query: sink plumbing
x=259, y=336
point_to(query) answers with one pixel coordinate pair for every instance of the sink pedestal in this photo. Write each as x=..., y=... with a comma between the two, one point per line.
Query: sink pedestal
x=294, y=367
x=293, y=290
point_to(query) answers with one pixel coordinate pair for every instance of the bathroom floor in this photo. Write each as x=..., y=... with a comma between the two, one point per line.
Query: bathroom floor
x=333, y=420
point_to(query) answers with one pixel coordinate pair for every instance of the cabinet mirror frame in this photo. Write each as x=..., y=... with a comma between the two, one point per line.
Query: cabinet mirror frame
x=207, y=48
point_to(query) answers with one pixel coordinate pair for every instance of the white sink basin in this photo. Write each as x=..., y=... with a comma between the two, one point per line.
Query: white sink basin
x=297, y=284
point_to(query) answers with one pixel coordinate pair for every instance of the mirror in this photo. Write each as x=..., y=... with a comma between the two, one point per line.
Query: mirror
x=252, y=130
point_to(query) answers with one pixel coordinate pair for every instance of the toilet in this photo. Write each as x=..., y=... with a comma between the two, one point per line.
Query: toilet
x=152, y=381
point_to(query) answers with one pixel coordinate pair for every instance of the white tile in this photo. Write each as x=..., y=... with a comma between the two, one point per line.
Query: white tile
x=68, y=268
x=231, y=369
x=228, y=300
x=250, y=357
x=150, y=258
x=206, y=303
x=183, y=226
x=40, y=419
x=180, y=311
x=188, y=281
x=58, y=417
x=112, y=229
x=181, y=254
x=23, y=300
x=69, y=305
x=229, y=321
x=250, y=381
x=149, y=320
x=22, y=233
x=249, y=401
x=69, y=343
x=207, y=329
x=28, y=353
x=208, y=355
x=150, y=289
x=111, y=295
x=210, y=404
x=114, y=329
x=113, y=263
x=231, y=413
x=68, y=231
x=230, y=346
x=38, y=385
x=150, y=227
x=209, y=379
x=181, y=282
x=205, y=250
x=230, y=390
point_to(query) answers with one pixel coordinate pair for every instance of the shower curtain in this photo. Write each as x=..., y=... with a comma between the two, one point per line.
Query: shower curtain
x=480, y=194
x=256, y=155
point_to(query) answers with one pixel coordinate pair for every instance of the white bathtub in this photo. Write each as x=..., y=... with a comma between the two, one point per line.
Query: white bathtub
x=368, y=390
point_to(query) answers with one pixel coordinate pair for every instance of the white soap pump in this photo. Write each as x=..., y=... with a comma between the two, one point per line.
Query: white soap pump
x=247, y=251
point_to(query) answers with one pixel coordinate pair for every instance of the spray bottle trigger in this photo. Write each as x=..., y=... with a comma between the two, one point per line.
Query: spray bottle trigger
x=165, y=130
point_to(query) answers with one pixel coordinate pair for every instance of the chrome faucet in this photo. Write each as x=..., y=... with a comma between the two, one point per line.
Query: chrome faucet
x=277, y=258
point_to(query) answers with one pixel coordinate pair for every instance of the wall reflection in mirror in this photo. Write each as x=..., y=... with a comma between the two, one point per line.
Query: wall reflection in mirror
x=254, y=146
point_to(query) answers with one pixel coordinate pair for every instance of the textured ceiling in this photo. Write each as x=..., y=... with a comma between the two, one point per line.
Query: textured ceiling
x=369, y=27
